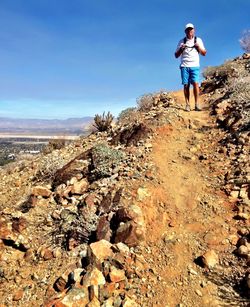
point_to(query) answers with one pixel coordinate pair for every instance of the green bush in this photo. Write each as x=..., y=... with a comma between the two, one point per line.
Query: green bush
x=104, y=160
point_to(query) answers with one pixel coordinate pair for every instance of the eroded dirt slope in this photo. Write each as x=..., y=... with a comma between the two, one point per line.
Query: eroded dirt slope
x=175, y=177
x=188, y=216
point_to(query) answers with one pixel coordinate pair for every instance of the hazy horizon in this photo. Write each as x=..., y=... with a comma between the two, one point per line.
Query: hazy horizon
x=75, y=59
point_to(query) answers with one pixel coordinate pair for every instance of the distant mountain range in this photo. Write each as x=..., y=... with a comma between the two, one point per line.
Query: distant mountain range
x=45, y=126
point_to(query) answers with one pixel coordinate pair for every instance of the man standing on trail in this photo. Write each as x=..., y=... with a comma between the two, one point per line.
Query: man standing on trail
x=189, y=48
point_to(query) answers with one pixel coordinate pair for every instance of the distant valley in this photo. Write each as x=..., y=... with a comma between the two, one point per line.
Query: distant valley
x=47, y=127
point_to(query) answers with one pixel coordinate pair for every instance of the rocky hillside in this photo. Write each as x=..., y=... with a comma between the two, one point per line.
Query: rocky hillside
x=154, y=211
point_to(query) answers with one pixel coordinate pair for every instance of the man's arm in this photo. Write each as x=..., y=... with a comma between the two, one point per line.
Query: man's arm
x=200, y=47
x=179, y=50
x=201, y=50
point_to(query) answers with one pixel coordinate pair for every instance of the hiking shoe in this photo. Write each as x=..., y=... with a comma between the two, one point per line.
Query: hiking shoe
x=197, y=108
x=187, y=108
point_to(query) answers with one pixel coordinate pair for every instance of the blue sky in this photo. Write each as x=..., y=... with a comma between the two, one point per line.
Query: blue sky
x=61, y=59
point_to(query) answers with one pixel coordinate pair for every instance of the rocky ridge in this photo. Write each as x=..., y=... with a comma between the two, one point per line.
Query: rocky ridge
x=73, y=229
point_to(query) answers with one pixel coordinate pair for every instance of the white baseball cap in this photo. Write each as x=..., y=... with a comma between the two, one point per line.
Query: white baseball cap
x=189, y=25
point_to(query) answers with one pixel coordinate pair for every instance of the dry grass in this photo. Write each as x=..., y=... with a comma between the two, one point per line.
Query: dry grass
x=219, y=71
x=129, y=115
x=240, y=89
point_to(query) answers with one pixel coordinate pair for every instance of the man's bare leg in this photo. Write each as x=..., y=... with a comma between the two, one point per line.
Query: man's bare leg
x=196, y=96
x=187, y=96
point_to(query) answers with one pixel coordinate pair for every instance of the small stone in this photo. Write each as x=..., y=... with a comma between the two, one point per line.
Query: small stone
x=60, y=284
x=243, y=231
x=142, y=193
x=57, y=253
x=47, y=254
x=19, y=225
x=18, y=295
x=29, y=255
x=41, y=191
x=80, y=187
x=123, y=248
x=99, y=251
x=116, y=275
x=198, y=292
x=127, y=302
x=210, y=259
x=93, y=278
x=75, y=297
x=192, y=271
x=243, y=250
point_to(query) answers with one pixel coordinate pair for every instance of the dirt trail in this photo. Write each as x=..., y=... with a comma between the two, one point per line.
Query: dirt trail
x=186, y=215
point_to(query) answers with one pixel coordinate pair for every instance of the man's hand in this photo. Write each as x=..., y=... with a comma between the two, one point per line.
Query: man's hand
x=182, y=46
x=180, y=50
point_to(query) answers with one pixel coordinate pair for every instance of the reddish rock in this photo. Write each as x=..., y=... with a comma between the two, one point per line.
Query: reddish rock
x=108, y=289
x=90, y=200
x=41, y=191
x=99, y=251
x=60, y=284
x=74, y=298
x=94, y=277
x=72, y=243
x=80, y=187
x=116, y=275
x=38, y=201
x=29, y=255
x=103, y=229
x=50, y=292
x=210, y=259
x=132, y=212
x=5, y=230
x=132, y=226
x=18, y=295
x=47, y=254
x=130, y=233
x=19, y=225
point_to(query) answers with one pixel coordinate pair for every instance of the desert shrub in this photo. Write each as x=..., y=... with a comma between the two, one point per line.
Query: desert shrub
x=240, y=89
x=103, y=122
x=128, y=115
x=54, y=144
x=221, y=71
x=49, y=165
x=145, y=102
x=245, y=41
x=104, y=160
